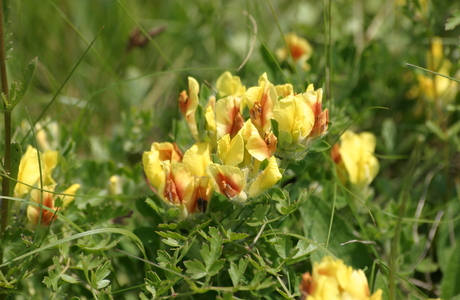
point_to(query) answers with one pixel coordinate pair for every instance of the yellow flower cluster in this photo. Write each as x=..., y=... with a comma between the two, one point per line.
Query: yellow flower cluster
x=355, y=155
x=333, y=280
x=433, y=87
x=238, y=136
x=34, y=174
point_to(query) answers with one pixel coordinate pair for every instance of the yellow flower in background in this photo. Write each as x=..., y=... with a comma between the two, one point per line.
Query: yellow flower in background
x=229, y=85
x=333, y=280
x=299, y=48
x=115, y=185
x=69, y=195
x=48, y=198
x=434, y=87
x=357, y=155
x=29, y=170
x=266, y=179
x=188, y=102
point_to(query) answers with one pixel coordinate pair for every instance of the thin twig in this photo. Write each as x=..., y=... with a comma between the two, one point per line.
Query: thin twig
x=7, y=123
x=254, y=38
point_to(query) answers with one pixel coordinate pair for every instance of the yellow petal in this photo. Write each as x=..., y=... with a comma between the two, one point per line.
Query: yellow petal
x=229, y=85
x=209, y=114
x=50, y=159
x=294, y=116
x=228, y=116
x=178, y=187
x=28, y=173
x=231, y=152
x=69, y=195
x=228, y=181
x=153, y=169
x=167, y=151
x=266, y=179
x=356, y=152
x=197, y=158
x=284, y=90
x=188, y=104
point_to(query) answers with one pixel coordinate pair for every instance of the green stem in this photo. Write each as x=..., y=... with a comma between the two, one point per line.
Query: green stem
x=7, y=125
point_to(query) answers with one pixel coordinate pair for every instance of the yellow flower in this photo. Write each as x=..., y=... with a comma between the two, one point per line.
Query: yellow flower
x=188, y=102
x=434, y=87
x=180, y=181
x=333, y=280
x=228, y=181
x=210, y=115
x=69, y=195
x=29, y=170
x=197, y=158
x=231, y=152
x=228, y=85
x=151, y=160
x=314, y=99
x=228, y=116
x=258, y=147
x=295, y=119
x=47, y=198
x=260, y=101
x=300, y=49
x=115, y=185
x=357, y=154
x=266, y=179
x=284, y=90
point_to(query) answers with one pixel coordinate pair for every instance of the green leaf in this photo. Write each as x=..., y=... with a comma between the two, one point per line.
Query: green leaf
x=18, y=91
x=172, y=242
x=433, y=127
x=16, y=153
x=205, y=93
x=303, y=248
x=171, y=235
x=258, y=217
x=382, y=283
x=284, y=140
x=87, y=263
x=237, y=236
x=195, y=268
x=99, y=276
x=216, y=267
x=277, y=194
x=320, y=146
x=69, y=279
x=450, y=285
x=269, y=59
x=283, y=246
x=236, y=272
x=453, y=22
x=389, y=134
x=200, y=121
x=275, y=127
